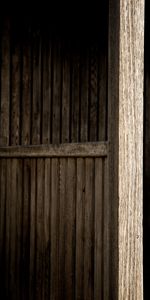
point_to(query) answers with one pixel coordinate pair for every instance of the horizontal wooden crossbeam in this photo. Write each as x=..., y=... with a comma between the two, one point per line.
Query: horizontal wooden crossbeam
x=62, y=150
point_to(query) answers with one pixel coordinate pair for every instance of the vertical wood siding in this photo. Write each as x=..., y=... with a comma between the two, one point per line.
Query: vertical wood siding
x=53, y=89
x=52, y=228
x=53, y=210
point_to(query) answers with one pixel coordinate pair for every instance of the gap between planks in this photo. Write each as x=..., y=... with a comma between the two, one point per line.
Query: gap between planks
x=99, y=149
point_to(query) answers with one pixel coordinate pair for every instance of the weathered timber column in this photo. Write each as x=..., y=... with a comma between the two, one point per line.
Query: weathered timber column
x=126, y=60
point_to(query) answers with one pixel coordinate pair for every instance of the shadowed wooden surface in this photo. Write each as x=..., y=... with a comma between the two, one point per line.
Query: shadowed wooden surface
x=52, y=211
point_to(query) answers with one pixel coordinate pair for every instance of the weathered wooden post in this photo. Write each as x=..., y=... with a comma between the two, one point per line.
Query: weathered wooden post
x=126, y=59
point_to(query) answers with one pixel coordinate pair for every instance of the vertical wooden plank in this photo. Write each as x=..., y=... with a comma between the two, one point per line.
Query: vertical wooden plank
x=46, y=90
x=93, y=89
x=106, y=231
x=36, y=93
x=131, y=155
x=19, y=201
x=102, y=96
x=70, y=230
x=7, y=238
x=89, y=231
x=26, y=93
x=126, y=42
x=15, y=93
x=46, y=235
x=65, y=109
x=56, y=92
x=33, y=203
x=39, y=228
x=80, y=201
x=62, y=214
x=84, y=95
x=98, y=231
x=75, y=97
x=25, y=228
x=2, y=225
x=5, y=84
x=12, y=229
x=54, y=280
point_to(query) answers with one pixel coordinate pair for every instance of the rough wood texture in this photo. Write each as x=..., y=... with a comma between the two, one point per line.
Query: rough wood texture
x=53, y=217
x=131, y=149
x=62, y=150
x=53, y=89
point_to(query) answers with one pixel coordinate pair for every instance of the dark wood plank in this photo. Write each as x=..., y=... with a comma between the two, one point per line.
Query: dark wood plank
x=7, y=238
x=36, y=93
x=89, y=231
x=19, y=203
x=75, y=98
x=102, y=97
x=13, y=215
x=80, y=201
x=61, y=150
x=39, y=228
x=33, y=201
x=84, y=96
x=98, y=231
x=65, y=106
x=5, y=84
x=25, y=229
x=106, y=230
x=15, y=94
x=46, y=92
x=3, y=166
x=57, y=92
x=54, y=278
x=46, y=235
x=26, y=93
x=70, y=230
x=93, y=93
x=62, y=214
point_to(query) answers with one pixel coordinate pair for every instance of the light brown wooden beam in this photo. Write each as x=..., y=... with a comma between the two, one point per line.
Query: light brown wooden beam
x=126, y=60
x=62, y=150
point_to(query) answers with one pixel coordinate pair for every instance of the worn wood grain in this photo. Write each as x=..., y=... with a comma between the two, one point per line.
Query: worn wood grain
x=54, y=270
x=15, y=94
x=126, y=41
x=131, y=149
x=26, y=94
x=2, y=224
x=62, y=214
x=19, y=184
x=57, y=93
x=33, y=185
x=12, y=256
x=98, y=231
x=88, y=284
x=65, y=111
x=80, y=200
x=46, y=227
x=46, y=92
x=70, y=229
x=36, y=89
x=5, y=84
x=39, y=227
x=62, y=150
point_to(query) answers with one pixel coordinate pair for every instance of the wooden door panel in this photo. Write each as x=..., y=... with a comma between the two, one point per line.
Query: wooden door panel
x=52, y=227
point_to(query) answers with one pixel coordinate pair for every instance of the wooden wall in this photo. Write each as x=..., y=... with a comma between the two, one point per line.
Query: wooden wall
x=52, y=237
x=53, y=208
x=53, y=86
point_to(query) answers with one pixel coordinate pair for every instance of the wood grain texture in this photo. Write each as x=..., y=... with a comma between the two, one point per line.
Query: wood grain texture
x=131, y=149
x=5, y=84
x=61, y=150
x=126, y=142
